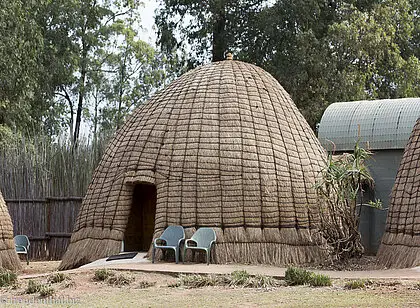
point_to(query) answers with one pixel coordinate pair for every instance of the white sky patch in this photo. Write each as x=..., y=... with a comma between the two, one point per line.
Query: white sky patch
x=148, y=34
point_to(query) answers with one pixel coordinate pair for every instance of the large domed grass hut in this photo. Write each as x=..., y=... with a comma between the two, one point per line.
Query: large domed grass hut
x=8, y=256
x=400, y=245
x=223, y=146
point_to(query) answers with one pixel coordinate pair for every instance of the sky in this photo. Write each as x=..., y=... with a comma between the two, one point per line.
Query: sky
x=147, y=20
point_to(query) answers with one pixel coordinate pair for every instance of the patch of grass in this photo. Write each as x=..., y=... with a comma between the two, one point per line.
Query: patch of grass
x=120, y=279
x=103, y=274
x=261, y=281
x=239, y=278
x=320, y=280
x=295, y=276
x=357, y=284
x=235, y=279
x=57, y=277
x=7, y=278
x=46, y=290
x=197, y=281
x=33, y=287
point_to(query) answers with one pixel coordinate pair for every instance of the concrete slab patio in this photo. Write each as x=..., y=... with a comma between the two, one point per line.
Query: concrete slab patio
x=140, y=263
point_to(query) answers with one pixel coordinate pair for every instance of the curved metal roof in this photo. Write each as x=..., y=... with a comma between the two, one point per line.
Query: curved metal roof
x=383, y=124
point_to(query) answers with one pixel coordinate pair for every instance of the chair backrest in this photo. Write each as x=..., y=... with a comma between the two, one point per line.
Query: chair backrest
x=204, y=237
x=22, y=240
x=172, y=235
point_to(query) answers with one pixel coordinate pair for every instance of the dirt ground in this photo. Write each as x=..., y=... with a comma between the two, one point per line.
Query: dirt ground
x=156, y=290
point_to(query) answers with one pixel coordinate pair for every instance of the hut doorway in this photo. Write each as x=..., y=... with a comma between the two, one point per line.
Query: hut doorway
x=141, y=222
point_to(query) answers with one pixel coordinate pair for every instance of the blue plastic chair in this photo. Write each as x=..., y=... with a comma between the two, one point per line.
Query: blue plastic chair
x=22, y=246
x=171, y=238
x=202, y=239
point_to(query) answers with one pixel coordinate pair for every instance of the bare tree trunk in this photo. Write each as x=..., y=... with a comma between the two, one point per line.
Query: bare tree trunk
x=219, y=33
x=82, y=84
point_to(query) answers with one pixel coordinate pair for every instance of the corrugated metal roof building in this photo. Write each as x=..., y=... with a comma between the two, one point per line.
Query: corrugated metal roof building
x=384, y=127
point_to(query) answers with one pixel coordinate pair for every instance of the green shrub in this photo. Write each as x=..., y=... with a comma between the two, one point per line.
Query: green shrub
x=103, y=274
x=33, y=287
x=57, y=277
x=320, y=280
x=239, y=278
x=46, y=290
x=120, y=280
x=7, y=278
x=297, y=276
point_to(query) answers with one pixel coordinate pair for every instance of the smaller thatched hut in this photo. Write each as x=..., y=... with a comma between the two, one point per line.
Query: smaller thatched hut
x=401, y=243
x=8, y=257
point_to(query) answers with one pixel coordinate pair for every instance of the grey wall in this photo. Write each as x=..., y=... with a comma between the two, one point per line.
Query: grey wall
x=383, y=167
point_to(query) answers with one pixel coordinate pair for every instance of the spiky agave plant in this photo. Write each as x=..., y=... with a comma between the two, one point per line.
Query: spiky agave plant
x=339, y=186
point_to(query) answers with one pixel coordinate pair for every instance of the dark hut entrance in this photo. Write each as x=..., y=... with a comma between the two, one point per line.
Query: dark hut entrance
x=141, y=222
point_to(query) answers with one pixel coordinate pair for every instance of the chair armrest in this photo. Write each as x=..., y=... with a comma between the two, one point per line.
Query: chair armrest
x=192, y=241
x=20, y=246
x=155, y=242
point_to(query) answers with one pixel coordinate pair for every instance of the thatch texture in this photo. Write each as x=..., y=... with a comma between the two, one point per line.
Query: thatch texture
x=400, y=245
x=8, y=257
x=226, y=148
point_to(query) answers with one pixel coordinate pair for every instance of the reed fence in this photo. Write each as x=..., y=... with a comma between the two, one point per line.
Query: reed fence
x=47, y=222
x=43, y=182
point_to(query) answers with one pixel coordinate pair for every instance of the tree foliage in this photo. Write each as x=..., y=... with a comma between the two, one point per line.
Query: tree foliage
x=66, y=62
x=320, y=51
x=20, y=51
x=205, y=29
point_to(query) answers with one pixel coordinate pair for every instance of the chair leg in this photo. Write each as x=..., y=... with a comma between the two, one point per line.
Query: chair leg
x=208, y=256
x=153, y=254
x=27, y=259
x=185, y=253
x=176, y=255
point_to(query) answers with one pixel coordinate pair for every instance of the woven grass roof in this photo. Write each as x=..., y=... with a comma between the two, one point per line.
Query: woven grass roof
x=8, y=257
x=226, y=148
x=400, y=245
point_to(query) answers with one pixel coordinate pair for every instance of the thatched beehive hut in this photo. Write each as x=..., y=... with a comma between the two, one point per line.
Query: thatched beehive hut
x=8, y=257
x=224, y=147
x=400, y=245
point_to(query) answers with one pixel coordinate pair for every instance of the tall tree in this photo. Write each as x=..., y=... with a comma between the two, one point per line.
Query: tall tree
x=21, y=47
x=208, y=28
